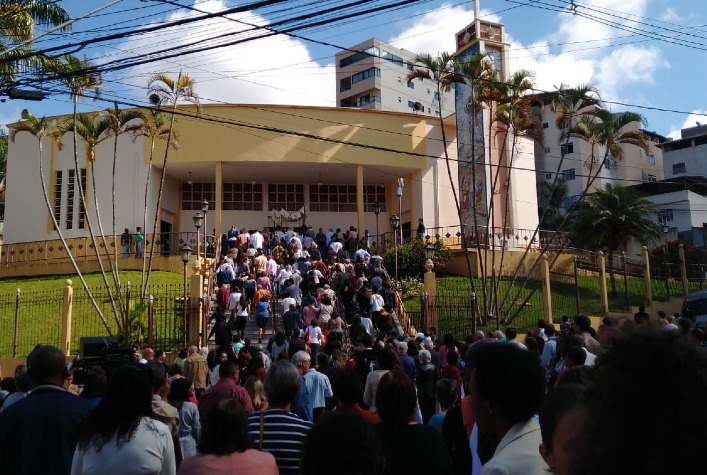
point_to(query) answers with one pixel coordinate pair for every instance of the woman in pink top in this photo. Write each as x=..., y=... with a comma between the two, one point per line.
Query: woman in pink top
x=446, y=347
x=224, y=446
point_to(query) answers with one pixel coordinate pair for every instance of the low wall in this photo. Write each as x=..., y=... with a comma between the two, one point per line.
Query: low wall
x=511, y=260
x=64, y=266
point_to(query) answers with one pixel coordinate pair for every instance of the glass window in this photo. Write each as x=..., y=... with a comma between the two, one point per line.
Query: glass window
x=368, y=73
x=289, y=197
x=342, y=198
x=411, y=85
x=58, y=183
x=70, y=195
x=345, y=84
x=568, y=174
x=194, y=194
x=243, y=196
x=665, y=216
x=679, y=168
x=650, y=159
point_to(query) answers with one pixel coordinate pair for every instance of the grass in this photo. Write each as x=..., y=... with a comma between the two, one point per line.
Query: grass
x=38, y=315
x=454, y=301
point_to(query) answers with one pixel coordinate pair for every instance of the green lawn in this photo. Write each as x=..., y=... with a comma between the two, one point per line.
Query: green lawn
x=41, y=302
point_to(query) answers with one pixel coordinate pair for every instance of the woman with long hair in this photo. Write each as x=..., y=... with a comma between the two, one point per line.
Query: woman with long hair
x=189, y=424
x=256, y=390
x=224, y=447
x=120, y=436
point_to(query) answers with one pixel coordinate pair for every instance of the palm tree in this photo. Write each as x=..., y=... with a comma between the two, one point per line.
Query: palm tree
x=552, y=196
x=119, y=121
x=154, y=127
x=444, y=72
x=165, y=90
x=18, y=19
x=616, y=215
x=42, y=129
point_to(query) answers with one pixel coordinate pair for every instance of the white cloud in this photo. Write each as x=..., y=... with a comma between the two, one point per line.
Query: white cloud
x=8, y=114
x=272, y=70
x=670, y=15
x=691, y=121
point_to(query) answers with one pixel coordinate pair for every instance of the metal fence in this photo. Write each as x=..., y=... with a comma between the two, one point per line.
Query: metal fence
x=35, y=317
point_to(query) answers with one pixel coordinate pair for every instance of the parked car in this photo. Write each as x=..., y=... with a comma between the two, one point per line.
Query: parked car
x=695, y=308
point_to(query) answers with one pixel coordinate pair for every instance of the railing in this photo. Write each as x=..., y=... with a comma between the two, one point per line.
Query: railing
x=167, y=244
x=509, y=238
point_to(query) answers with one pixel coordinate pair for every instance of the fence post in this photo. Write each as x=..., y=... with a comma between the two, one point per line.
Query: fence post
x=17, y=324
x=602, y=284
x=150, y=319
x=547, y=295
x=647, y=277
x=197, y=316
x=683, y=270
x=66, y=317
x=623, y=261
x=576, y=285
x=126, y=323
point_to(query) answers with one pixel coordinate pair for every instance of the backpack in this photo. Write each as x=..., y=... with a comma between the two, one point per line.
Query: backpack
x=307, y=337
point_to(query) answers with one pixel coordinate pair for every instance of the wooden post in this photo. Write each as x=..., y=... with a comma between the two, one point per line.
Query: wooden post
x=647, y=277
x=16, y=335
x=547, y=295
x=66, y=317
x=196, y=316
x=602, y=284
x=683, y=270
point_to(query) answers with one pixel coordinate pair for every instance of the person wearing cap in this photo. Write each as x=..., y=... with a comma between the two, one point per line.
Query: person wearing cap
x=317, y=387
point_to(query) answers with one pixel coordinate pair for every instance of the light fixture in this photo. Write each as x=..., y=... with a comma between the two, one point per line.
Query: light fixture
x=252, y=182
x=376, y=208
x=198, y=219
x=189, y=180
x=185, y=253
x=394, y=221
x=430, y=250
x=204, y=206
x=320, y=181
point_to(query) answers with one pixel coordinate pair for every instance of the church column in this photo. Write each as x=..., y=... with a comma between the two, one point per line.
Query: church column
x=359, y=200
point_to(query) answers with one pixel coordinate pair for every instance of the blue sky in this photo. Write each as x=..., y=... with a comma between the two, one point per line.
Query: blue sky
x=649, y=53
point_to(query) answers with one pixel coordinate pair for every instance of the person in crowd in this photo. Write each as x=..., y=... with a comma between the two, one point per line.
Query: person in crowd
x=358, y=447
x=189, y=424
x=620, y=430
x=574, y=366
x=448, y=344
x=506, y=406
x=224, y=447
x=559, y=414
x=162, y=410
x=349, y=391
x=256, y=390
x=318, y=388
x=452, y=372
x=280, y=346
x=263, y=313
x=386, y=360
x=426, y=381
x=446, y=395
x=583, y=327
x=221, y=356
x=312, y=335
x=94, y=385
x=40, y=431
x=407, y=363
x=197, y=369
x=120, y=435
x=277, y=430
x=396, y=403
x=428, y=344
x=226, y=388
x=22, y=386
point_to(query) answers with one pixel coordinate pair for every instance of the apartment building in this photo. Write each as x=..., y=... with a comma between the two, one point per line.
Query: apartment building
x=686, y=156
x=373, y=75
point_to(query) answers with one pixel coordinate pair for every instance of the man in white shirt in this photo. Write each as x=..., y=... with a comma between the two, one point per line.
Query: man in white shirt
x=256, y=240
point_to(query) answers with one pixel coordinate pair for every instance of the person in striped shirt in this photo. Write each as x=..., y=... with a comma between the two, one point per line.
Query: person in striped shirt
x=282, y=433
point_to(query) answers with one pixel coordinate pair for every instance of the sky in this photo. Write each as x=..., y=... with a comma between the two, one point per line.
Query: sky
x=647, y=56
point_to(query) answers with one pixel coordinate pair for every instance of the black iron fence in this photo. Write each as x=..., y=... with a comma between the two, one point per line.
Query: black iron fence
x=29, y=318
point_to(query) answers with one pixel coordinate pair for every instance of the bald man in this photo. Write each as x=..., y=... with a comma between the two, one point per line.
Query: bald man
x=38, y=434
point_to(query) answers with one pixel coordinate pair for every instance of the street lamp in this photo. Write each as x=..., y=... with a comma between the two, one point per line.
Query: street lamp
x=205, y=209
x=377, y=211
x=185, y=254
x=430, y=250
x=394, y=223
x=198, y=222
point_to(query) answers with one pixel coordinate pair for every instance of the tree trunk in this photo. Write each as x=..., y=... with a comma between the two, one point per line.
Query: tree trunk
x=144, y=218
x=612, y=278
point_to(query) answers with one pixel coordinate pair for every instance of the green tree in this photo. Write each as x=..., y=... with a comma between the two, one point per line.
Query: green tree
x=18, y=20
x=615, y=215
x=164, y=90
x=3, y=154
x=118, y=122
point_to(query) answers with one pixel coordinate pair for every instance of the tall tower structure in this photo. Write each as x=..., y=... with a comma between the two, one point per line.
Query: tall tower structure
x=493, y=191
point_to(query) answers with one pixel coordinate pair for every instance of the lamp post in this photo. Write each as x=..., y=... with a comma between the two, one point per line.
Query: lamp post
x=377, y=211
x=198, y=222
x=394, y=223
x=185, y=254
x=430, y=286
x=205, y=209
x=430, y=250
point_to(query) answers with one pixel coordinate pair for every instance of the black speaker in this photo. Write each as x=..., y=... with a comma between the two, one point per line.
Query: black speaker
x=92, y=346
x=114, y=358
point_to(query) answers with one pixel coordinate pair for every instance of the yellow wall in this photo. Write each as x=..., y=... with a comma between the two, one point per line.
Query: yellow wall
x=255, y=140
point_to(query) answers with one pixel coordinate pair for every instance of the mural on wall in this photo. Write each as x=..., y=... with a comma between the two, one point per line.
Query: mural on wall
x=470, y=153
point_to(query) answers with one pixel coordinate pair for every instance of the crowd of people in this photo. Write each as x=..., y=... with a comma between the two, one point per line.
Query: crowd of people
x=338, y=390
x=626, y=398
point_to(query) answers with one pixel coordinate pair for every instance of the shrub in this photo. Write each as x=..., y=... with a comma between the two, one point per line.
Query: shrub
x=411, y=258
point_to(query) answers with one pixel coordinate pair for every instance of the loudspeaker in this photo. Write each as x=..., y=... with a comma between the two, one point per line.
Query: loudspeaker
x=92, y=346
x=113, y=358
